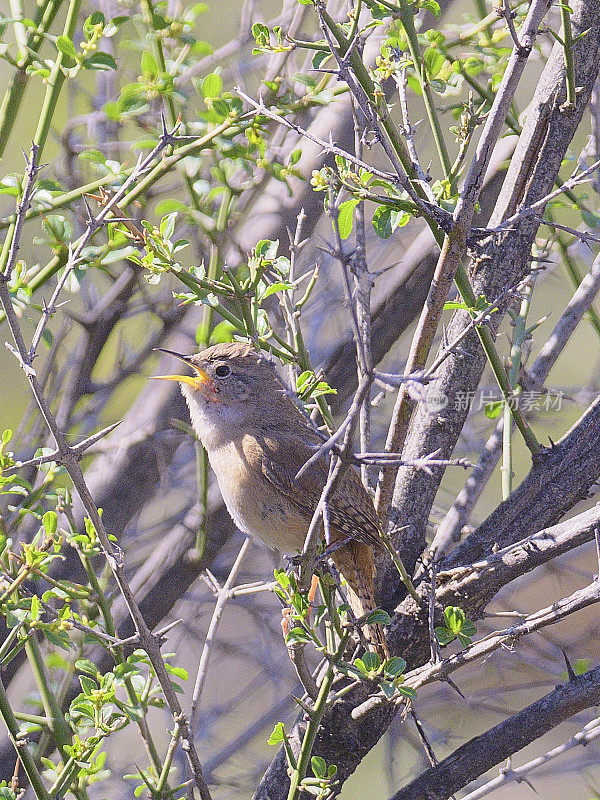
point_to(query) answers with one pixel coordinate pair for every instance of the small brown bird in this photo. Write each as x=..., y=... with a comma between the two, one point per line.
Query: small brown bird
x=257, y=440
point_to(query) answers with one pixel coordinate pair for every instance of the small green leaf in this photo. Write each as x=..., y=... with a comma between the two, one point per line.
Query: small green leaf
x=371, y=661
x=395, y=666
x=346, y=217
x=276, y=287
x=382, y=222
x=50, y=522
x=444, y=635
x=212, y=85
x=85, y=665
x=319, y=58
x=149, y=66
x=297, y=635
x=87, y=684
x=407, y=691
x=100, y=61
x=455, y=618
x=278, y=734
x=432, y=6
x=492, y=410
x=179, y=672
x=434, y=61
x=267, y=249
x=66, y=46
x=318, y=766
x=591, y=219
x=378, y=617
x=159, y=22
x=260, y=33
x=223, y=332
x=455, y=305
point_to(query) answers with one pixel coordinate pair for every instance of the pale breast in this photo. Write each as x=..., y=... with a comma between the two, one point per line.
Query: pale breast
x=256, y=507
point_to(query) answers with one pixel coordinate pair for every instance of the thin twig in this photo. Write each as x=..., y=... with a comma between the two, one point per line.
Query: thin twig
x=223, y=596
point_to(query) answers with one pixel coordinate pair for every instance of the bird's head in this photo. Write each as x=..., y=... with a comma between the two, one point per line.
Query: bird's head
x=231, y=385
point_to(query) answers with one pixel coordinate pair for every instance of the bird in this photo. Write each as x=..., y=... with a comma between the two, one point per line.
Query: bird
x=257, y=440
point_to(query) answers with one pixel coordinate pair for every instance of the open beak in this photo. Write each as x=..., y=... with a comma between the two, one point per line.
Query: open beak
x=198, y=381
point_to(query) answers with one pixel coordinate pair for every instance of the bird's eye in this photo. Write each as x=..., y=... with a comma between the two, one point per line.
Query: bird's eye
x=222, y=370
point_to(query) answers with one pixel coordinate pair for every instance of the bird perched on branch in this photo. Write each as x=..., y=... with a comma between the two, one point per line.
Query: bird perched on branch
x=257, y=441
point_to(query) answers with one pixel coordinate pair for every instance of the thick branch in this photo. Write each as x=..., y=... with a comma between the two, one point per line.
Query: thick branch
x=561, y=477
x=494, y=746
x=534, y=167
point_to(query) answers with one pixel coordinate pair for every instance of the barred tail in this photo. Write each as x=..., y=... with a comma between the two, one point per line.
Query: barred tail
x=355, y=562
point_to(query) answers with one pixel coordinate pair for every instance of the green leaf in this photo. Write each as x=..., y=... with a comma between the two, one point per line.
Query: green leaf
x=276, y=287
x=432, y=6
x=59, y=638
x=85, y=709
x=371, y=661
x=414, y=84
x=378, y=617
x=297, y=635
x=50, y=522
x=455, y=618
x=223, y=332
x=456, y=305
x=492, y=410
x=434, y=61
x=278, y=734
x=591, y=219
x=221, y=107
x=66, y=46
x=179, y=672
x=159, y=22
x=394, y=666
x=96, y=18
x=169, y=205
x=261, y=33
x=382, y=222
x=148, y=65
x=320, y=58
x=318, y=766
x=444, y=636
x=100, y=61
x=85, y=665
x=212, y=85
x=87, y=684
x=346, y=217
x=133, y=713
x=267, y=249
x=407, y=691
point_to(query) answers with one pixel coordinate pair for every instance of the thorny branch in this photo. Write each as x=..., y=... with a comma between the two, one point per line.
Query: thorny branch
x=70, y=460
